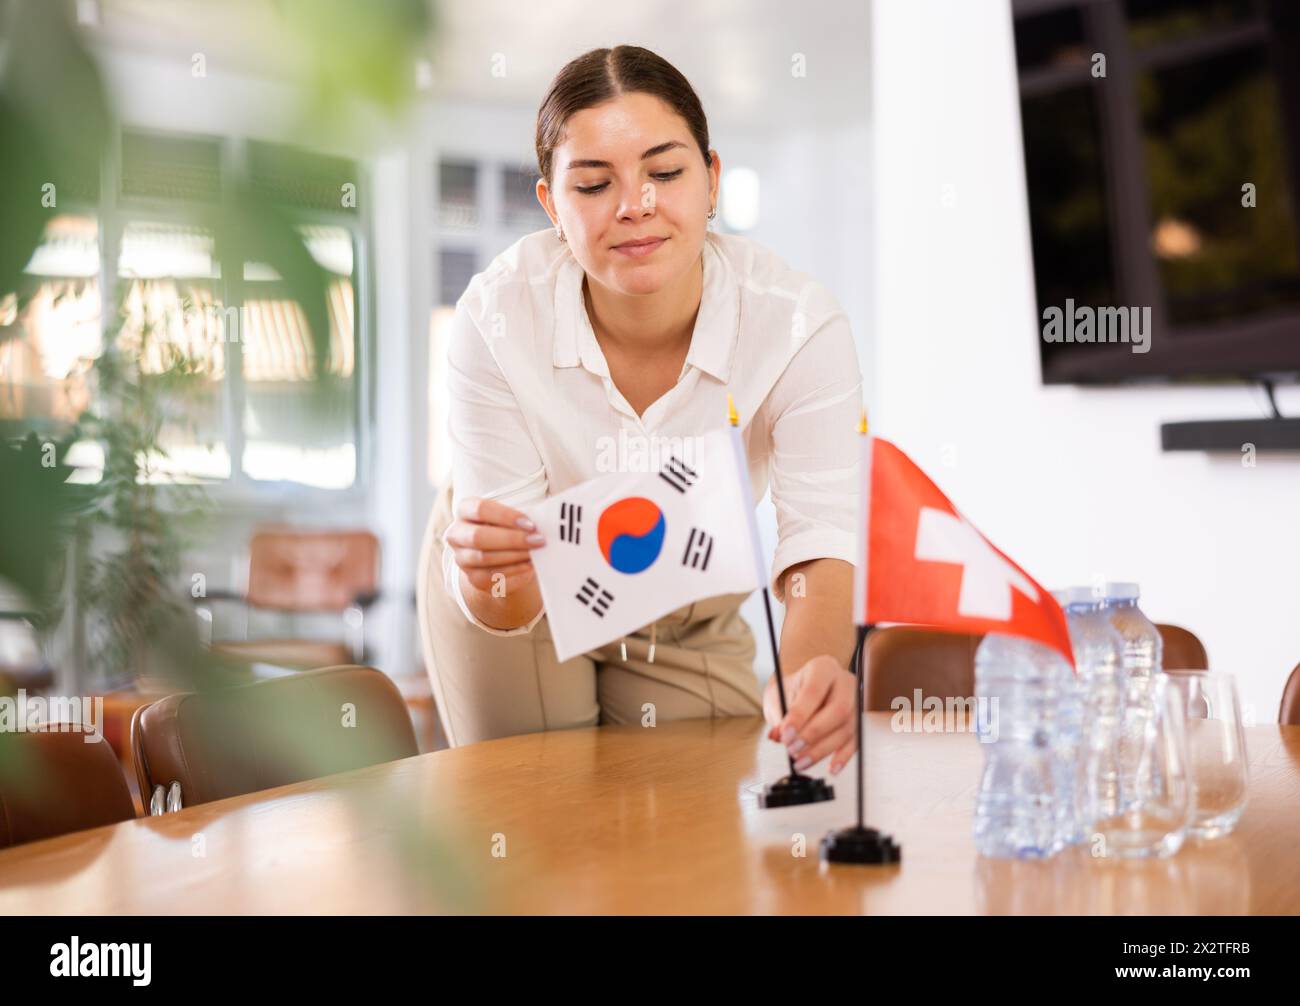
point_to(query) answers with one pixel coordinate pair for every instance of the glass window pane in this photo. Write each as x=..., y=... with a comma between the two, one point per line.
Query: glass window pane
x=1210, y=127
x=173, y=322
x=164, y=166
x=176, y=330
x=520, y=209
x=1067, y=200
x=52, y=342
x=455, y=270
x=296, y=430
x=457, y=196
x=1053, y=39
x=157, y=250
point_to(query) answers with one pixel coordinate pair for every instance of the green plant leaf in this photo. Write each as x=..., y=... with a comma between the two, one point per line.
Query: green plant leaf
x=36, y=511
x=24, y=168
x=53, y=129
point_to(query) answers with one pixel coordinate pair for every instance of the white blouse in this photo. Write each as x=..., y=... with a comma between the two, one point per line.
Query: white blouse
x=533, y=410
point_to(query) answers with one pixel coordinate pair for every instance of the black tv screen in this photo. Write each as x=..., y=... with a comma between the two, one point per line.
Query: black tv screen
x=1162, y=161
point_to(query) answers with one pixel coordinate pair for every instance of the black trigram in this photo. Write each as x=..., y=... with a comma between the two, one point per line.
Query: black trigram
x=570, y=523
x=678, y=474
x=699, y=546
x=594, y=596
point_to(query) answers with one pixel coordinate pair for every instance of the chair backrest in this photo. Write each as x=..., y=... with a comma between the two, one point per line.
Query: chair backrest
x=270, y=733
x=52, y=783
x=1288, y=713
x=1183, y=651
x=901, y=659
x=293, y=569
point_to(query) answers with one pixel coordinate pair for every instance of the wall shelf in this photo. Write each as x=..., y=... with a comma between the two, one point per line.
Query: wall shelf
x=1231, y=435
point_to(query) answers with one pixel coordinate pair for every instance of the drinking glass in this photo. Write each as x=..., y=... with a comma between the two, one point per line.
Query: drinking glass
x=1216, y=749
x=1157, y=800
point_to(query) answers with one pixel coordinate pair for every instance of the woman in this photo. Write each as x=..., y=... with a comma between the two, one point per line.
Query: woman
x=629, y=323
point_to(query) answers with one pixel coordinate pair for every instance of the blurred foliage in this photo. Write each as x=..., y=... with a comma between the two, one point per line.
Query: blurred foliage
x=131, y=588
x=358, y=50
x=56, y=130
x=253, y=229
x=57, y=127
x=34, y=481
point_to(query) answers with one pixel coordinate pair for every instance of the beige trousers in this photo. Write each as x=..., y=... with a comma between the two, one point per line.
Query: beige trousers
x=488, y=686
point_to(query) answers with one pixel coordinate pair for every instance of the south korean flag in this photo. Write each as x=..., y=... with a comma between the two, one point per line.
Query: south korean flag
x=625, y=549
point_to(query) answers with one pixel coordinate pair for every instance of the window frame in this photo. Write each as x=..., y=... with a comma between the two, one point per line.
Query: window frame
x=115, y=211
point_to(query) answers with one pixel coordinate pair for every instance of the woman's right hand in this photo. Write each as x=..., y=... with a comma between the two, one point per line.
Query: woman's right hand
x=490, y=540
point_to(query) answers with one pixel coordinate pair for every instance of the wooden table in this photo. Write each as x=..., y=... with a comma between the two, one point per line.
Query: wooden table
x=636, y=820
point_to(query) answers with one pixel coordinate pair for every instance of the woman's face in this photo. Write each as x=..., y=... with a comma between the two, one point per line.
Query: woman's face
x=605, y=193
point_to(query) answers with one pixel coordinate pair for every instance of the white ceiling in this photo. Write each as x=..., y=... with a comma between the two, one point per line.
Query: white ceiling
x=737, y=53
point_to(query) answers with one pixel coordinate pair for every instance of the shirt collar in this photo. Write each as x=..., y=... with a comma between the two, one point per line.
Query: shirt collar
x=713, y=340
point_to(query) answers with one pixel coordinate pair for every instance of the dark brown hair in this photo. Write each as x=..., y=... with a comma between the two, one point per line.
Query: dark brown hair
x=601, y=74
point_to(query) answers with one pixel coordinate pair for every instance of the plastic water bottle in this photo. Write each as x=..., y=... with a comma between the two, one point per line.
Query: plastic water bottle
x=1143, y=658
x=1143, y=647
x=1017, y=688
x=1067, y=743
x=1098, y=656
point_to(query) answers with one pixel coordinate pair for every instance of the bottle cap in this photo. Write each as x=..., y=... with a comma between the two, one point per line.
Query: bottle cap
x=1083, y=596
x=1122, y=591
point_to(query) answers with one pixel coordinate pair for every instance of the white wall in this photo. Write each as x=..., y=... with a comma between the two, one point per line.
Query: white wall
x=815, y=207
x=1072, y=483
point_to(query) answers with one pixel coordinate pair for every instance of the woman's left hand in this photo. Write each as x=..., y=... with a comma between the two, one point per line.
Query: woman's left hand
x=821, y=697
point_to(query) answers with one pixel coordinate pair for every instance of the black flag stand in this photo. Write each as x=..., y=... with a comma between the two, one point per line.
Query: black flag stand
x=795, y=788
x=860, y=844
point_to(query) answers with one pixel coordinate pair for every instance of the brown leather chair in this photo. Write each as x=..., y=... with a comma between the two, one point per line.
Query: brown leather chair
x=1183, y=651
x=302, y=571
x=53, y=783
x=901, y=659
x=1288, y=713
x=197, y=747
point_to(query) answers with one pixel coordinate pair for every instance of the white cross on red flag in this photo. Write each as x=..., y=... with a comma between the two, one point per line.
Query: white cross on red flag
x=922, y=563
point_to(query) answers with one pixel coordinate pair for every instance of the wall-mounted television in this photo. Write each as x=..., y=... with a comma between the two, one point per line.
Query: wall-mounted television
x=1162, y=161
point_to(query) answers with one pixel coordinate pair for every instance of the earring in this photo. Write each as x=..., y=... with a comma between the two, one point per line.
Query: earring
x=713, y=212
x=559, y=233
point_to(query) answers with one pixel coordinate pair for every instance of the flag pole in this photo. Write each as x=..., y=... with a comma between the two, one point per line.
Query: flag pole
x=776, y=663
x=795, y=788
x=860, y=844
x=859, y=657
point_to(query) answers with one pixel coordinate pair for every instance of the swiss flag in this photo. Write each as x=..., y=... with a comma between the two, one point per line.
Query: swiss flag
x=925, y=564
